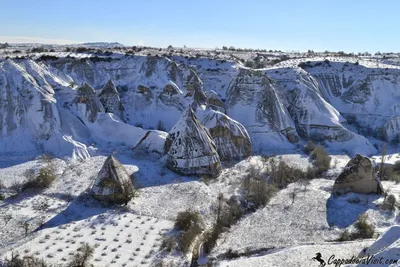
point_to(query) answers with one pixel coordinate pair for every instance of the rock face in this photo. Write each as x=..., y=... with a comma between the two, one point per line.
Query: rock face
x=358, y=176
x=214, y=101
x=190, y=149
x=253, y=101
x=109, y=97
x=230, y=137
x=87, y=95
x=113, y=184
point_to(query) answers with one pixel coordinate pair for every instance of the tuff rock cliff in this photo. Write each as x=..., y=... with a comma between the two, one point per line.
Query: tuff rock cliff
x=253, y=101
x=120, y=99
x=230, y=137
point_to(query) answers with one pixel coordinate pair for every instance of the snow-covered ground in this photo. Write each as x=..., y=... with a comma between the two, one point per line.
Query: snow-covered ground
x=293, y=230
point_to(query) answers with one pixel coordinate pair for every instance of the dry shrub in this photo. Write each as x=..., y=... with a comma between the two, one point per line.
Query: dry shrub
x=320, y=159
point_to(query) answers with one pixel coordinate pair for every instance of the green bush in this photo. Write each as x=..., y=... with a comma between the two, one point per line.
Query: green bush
x=320, y=159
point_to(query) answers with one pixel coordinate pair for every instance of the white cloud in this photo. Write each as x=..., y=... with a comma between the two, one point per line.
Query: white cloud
x=24, y=39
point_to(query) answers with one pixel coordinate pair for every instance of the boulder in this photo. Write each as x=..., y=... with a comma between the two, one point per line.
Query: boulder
x=110, y=99
x=230, y=137
x=113, y=184
x=190, y=148
x=359, y=177
x=87, y=95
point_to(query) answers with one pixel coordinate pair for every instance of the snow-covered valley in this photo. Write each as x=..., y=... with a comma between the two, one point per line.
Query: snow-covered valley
x=187, y=130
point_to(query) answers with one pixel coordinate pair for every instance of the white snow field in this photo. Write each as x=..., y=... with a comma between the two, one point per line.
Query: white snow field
x=347, y=104
x=286, y=234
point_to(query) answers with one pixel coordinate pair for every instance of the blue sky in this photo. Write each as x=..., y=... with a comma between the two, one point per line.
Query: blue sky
x=352, y=25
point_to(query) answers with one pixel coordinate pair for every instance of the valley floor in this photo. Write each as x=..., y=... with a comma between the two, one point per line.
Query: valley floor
x=63, y=216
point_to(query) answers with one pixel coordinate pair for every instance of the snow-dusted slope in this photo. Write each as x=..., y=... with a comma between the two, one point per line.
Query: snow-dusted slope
x=42, y=101
x=253, y=101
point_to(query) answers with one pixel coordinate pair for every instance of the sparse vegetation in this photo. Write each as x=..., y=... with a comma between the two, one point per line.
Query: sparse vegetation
x=389, y=203
x=256, y=190
x=42, y=180
x=27, y=261
x=320, y=159
x=82, y=257
x=282, y=174
x=309, y=147
x=191, y=224
x=363, y=230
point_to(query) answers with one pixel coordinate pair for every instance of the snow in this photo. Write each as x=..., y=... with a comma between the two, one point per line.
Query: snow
x=39, y=117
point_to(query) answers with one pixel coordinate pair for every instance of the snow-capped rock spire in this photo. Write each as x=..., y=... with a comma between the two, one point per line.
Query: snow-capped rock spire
x=112, y=183
x=190, y=148
x=87, y=95
x=110, y=99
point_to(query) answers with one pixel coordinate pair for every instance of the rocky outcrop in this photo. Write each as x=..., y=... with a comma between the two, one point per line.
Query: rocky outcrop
x=359, y=177
x=110, y=99
x=214, y=101
x=113, y=184
x=253, y=101
x=190, y=149
x=230, y=137
x=391, y=130
x=86, y=95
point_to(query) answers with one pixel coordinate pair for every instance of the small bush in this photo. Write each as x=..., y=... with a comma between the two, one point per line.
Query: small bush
x=191, y=224
x=309, y=147
x=210, y=238
x=43, y=180
x=27, y=261
x=249, y=64
x=188, y=236
x=364, y=229
x=389, y=203
x=186, y=219
x=257, y=191
x=321, y=159
x=345, y=236
x=169, y=243
x=17, y=187
x=396, y=166
x=82, y=257
x=282, y=174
